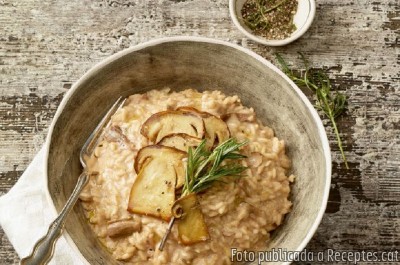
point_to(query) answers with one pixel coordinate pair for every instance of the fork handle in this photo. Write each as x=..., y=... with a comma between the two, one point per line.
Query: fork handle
x=44, y=248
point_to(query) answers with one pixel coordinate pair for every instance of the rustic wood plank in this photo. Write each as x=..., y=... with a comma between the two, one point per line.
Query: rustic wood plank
x=46, y=46
x=7, y=253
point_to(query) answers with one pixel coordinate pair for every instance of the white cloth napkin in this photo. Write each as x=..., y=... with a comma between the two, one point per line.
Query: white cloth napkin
x=25, y=214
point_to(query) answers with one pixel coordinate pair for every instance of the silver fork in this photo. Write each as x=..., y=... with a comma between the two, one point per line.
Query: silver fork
x=44, y=248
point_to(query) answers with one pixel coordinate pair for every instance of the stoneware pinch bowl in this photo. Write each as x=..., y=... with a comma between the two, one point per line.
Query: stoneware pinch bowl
x=302, y=19
x=201, y=63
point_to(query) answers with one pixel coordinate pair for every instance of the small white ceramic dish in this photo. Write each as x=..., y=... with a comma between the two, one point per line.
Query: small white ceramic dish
x=303, y=18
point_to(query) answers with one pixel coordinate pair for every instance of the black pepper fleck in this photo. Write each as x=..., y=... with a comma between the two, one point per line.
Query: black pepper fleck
x=271, y=19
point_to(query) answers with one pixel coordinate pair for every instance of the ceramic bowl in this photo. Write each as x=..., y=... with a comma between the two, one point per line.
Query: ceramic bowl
x=191, y=62
x=302, y=19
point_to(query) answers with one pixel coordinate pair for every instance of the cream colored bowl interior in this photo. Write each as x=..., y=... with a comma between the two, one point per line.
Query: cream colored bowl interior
x=188, y=62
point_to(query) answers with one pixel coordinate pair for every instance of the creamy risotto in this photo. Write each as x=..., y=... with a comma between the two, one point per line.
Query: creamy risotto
x=239, y=213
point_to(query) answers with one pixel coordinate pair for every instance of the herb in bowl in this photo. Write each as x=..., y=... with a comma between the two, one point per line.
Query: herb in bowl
x=271, y=19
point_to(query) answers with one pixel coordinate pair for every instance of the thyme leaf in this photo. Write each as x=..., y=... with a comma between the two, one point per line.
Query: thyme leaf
x=317, y=81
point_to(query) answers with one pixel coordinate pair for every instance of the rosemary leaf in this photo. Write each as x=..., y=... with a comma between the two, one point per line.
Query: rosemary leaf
x=316, y=80
x=204, y=167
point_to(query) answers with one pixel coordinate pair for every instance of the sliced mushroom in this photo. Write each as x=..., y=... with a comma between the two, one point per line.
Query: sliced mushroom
x=180, y=175
x=161, y=171
x=115, y=134
x=169, y=122
x=243, y=117
x=255, y=159
x=123, y=227
x=180, y=141
x=153, y=192
x=158, y=152
x=191, y=225
x=216, y=129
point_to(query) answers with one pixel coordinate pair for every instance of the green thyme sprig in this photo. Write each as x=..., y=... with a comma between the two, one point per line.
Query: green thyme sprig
x=205, y=167
x=317, y=81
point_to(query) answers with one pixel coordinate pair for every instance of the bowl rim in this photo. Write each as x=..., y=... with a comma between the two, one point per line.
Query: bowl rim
x=293, y=37
x=158, y=41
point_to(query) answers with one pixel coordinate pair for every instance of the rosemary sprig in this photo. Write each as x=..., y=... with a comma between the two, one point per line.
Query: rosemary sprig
x=317, y=81
x=206, y=167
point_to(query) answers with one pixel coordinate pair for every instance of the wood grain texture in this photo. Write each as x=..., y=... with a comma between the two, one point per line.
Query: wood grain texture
x=47, y=45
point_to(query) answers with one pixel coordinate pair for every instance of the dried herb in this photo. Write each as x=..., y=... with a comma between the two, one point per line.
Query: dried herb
x=205, y=167
x=272, y=19
x=317, y=81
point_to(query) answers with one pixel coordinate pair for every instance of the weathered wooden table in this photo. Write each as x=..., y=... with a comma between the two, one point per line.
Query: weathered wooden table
x=45, y=46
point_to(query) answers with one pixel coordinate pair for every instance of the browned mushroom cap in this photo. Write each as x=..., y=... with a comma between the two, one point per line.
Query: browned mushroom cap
x=163, y=154
x=169, y=122
x=216, y=129
x=181, y=141
x=243, y=117
x=160, y=170
x=122, y=227
x=158, y=152
x=115, y=134
x=191, y=225
x=153, y=192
